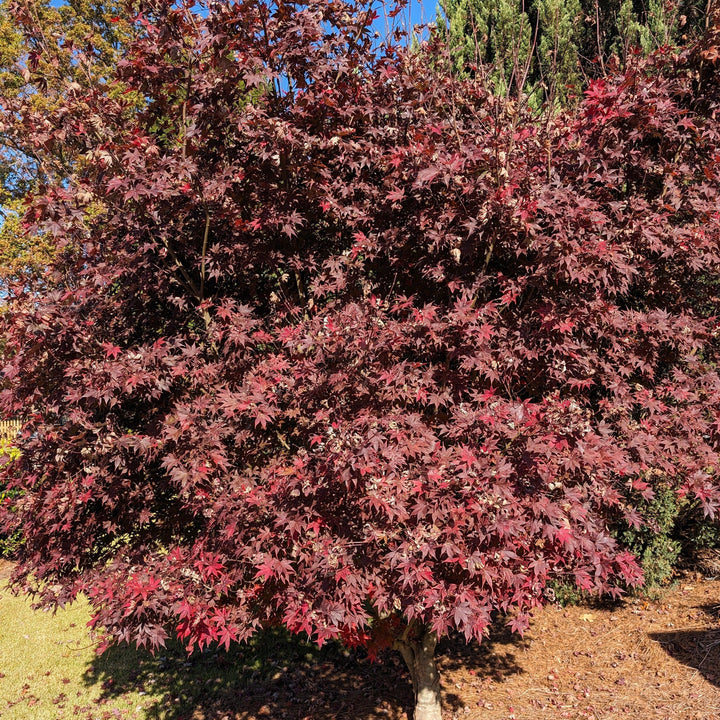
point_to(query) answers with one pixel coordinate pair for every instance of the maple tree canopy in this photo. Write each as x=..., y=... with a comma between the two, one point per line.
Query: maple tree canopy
x=348, y=344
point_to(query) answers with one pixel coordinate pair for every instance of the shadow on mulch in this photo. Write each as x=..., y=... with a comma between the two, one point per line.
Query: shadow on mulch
x=493, y=660
x=699, y=649
x=494, y=657
x=280, y=677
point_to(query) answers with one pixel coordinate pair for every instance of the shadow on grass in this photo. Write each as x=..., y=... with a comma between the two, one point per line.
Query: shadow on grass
x=278, y=676
x=699, y=649
x=275, y=676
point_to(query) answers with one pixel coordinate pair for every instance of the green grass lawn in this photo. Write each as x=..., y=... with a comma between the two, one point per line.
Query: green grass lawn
x=49, y=671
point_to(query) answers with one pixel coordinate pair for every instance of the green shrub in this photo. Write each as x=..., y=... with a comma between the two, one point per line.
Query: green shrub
x=696, y=532
x=655, y=543
x=565, y=593
x=9, y=544
x=674, y=533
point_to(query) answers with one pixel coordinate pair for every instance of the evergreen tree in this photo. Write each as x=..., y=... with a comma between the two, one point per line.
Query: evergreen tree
x=489, y=35
x=616, y=27
x=468, y=32
x=558, y=47
x=661, y=25
x=628, y=29
x=562, y=43
x=508, y=37
x=511, y=46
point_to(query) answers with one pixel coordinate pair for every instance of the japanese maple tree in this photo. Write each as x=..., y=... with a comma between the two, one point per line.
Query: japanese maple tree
x=350, y=345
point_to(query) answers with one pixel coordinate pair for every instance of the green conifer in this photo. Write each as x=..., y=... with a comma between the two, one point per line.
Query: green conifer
x=493, y=35
x=562, y=44
x=559, y=23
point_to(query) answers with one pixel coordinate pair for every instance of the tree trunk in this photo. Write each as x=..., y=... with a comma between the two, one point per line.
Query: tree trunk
x=419, y=655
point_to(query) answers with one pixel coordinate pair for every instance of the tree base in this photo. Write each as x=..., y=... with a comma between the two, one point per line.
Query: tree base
x=419, y=656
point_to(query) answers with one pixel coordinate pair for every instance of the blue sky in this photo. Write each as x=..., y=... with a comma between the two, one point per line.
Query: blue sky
x=417, y=12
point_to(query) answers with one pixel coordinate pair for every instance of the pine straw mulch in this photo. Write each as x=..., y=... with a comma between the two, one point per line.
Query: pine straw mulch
x=638, y=659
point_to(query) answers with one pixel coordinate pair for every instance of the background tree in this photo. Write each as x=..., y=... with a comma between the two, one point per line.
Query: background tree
x=559, y=21
x=374, y=356
x=488, y=36
x=615, y=28
x=563, y=43
x=37, y=70
x=44, y=53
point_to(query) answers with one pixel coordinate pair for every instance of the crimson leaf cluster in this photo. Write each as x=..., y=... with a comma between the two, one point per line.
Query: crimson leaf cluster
x=335, y=340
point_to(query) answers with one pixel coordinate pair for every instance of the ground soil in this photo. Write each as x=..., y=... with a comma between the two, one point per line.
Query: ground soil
x=640, y=658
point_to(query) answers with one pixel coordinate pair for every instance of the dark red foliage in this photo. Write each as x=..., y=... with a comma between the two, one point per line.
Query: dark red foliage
x=348, y=340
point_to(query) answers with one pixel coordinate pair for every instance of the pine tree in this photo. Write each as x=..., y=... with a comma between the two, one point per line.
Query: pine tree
x=572, y=40
x=511, y=40
x=628, y=30
x=468, y=32
x=661, y=25
x=615, y=27
x=489, y=35
x=507, y=37
x=558, y=47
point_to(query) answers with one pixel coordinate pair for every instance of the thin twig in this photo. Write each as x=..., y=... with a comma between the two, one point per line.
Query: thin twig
x=190, y=284
x=206, y=235
x=597, y=36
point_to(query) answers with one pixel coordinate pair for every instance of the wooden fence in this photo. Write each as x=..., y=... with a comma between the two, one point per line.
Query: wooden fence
x=9, y=429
